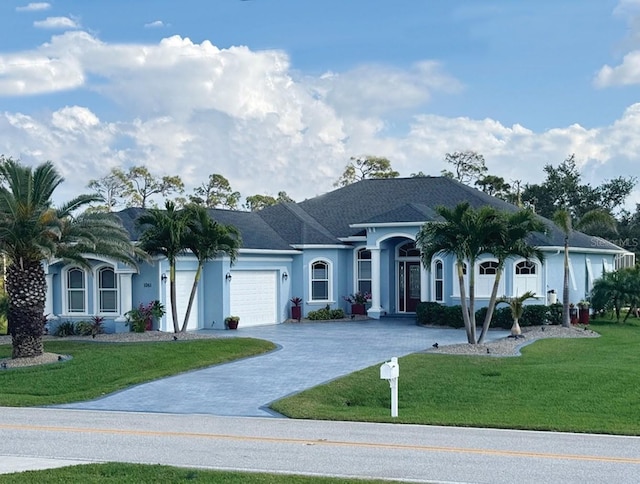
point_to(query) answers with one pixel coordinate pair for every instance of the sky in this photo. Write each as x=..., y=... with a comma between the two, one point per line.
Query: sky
x=278, y=95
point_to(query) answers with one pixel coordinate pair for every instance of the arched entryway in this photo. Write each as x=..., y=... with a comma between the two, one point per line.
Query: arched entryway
x=408, y=276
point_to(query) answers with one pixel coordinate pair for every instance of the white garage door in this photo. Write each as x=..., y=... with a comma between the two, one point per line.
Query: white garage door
x=184, y=281
x=254, y=297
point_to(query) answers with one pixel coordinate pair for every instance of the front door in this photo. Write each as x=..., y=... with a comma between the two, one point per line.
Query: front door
x=408, y=286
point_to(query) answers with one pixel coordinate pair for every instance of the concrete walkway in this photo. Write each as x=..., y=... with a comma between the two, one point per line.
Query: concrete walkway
x=308, y=354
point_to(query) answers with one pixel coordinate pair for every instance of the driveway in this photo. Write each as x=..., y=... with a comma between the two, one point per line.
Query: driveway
x=308, y=354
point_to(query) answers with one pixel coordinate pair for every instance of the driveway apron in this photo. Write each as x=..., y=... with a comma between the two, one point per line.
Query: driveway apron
x=308, y=354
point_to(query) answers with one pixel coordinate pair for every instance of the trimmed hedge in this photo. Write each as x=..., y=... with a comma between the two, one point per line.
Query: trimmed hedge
x=436, y=314
x=325, y=313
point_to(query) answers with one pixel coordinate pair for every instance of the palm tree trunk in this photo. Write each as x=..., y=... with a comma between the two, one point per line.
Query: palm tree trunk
x=192, y=295
x=492, y=304
x=565, y=287
x=172, y=296
x=26, y=287
x=515, y=328
x=472, y=299
x=463, y=302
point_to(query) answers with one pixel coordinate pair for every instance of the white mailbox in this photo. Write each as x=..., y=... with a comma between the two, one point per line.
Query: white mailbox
x=390, y=369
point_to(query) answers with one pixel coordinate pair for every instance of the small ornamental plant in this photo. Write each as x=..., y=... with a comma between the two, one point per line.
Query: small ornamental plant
x=141, y=318
x=296, y=301
x=358, y=298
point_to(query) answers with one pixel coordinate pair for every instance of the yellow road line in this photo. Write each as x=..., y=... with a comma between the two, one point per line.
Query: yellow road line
x=324, y=442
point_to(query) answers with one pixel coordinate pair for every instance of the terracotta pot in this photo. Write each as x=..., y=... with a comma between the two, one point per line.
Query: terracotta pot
x=296, y=312
x=232, y=324
x=584, y=315
x=358, y=309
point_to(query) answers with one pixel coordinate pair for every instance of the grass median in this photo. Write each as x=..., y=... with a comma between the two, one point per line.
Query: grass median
x=100, y=368
x=572, y=385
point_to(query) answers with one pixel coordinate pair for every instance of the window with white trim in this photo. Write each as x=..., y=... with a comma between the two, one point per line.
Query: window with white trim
x=485, y=278
x=320, y=279
x=107, y=290
x=456, y=281
x=364, y=271
x=526, y=277
x=76, y=288
x=438, y=281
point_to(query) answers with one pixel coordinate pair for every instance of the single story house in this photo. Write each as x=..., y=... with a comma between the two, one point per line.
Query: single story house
x=357, y=238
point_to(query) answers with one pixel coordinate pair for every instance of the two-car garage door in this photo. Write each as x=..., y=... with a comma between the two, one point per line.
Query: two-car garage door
x=254, y=297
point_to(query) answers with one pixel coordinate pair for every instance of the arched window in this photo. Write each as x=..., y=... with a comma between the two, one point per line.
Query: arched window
x=363, y=271
x=76, y=289
x=409, y=250
x=526, y=277
x=320, y=280
x=485, y=278
x=438, y=281
x=107, y=290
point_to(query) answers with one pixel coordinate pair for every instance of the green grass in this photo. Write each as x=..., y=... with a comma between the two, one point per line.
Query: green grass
x=153, y=474
x=100, y=368
x=575, y=385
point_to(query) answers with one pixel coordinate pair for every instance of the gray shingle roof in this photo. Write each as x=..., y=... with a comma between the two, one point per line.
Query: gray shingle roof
x=328, y=218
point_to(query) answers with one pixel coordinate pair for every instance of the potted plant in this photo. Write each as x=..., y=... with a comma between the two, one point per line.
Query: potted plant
x=516, y=304
x=583, y=312
x=231, y=322
x=141, y=318
x=358, y=302
x=296, y=310
x=573, y=313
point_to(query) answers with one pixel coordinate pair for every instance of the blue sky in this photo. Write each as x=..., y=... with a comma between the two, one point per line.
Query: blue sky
x=278, y=94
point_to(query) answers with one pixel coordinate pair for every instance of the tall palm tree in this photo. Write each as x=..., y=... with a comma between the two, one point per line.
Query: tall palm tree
x=465, y=233
x=33, y=230
x=562, y=218
x=511, y=241
x=207, y=239
x=616, y=289
x=163, y=234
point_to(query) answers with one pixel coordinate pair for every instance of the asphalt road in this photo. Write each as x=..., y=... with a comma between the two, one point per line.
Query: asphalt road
x=52, y=437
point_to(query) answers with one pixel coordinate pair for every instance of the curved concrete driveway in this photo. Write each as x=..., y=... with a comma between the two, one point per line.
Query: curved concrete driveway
x=308, y=354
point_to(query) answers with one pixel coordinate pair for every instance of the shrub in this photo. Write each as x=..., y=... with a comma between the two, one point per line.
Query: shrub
x=535, y=315
x=66, y=328
x=453, y=316
x=90, y=328
x=83, y=328
x=554, y=314
x=430, y=313
x=325, y=314
x=142, y=317
x=532, y=315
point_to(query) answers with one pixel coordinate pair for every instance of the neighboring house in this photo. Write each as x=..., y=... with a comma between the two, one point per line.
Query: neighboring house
x=357, y=238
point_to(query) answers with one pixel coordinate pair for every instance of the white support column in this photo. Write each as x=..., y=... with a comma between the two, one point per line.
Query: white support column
x=48, y=304
x=376, y=310
x=424, y=283
x=125, y=296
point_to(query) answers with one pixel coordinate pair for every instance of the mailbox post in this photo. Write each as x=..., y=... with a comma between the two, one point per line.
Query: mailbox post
x=391, y=371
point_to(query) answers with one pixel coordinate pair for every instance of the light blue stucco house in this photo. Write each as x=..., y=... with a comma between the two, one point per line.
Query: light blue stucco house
x=357, y=238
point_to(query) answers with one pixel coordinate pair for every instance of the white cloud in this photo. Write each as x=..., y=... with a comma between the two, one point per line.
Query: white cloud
x=194, y=109
x=34, y=7
x=156, y=24
x=57, y=23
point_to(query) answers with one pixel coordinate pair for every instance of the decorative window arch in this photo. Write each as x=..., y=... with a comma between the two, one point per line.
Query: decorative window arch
x=107, y=296
x=363, y=270
x=320, y=271
x=75, y=290
x=526, y=277
x=438, y=280
x=408, y=249
x=486, y=272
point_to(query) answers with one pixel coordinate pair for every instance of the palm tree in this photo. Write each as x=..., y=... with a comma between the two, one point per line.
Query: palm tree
x=562, y=218
x=33, y=230
x=465, y=233
x=616, y=289
x=163, y=234
x=511, y=241
x=207, y=239
x=517, y=308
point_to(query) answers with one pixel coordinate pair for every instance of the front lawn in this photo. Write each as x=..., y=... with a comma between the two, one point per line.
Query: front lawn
x=573, y=385
x=100, y=368
x=152, y=474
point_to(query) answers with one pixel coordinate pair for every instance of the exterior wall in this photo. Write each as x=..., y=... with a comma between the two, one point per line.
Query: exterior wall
x=341, y=277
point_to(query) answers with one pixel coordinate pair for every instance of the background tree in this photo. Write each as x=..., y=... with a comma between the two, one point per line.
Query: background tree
x=468, y=166
x=163, y=233
x=360, y=168
x=216, y=193
x=206, y=239
x=563, y=189
x=33, y=230
x=111, y=188
x=142, y=185
x=494, y=185
x=257, y=202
